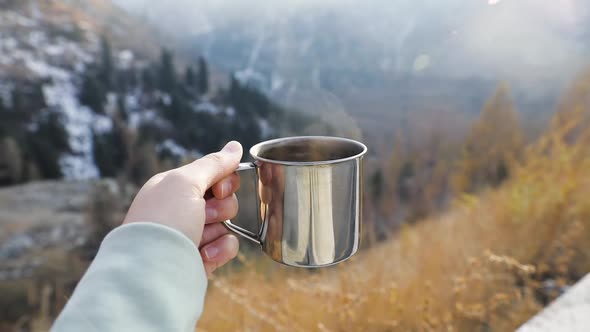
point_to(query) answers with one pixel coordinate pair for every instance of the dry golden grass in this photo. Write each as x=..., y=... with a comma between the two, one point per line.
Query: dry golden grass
x=480, y=267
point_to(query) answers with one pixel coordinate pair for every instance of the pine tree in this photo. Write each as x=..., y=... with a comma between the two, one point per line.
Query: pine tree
x=122, y=109
x=147, y=80
x=11, y=120
x=36, y=100
x=102, y=216
x=77, y=34
x=376, y=183
x=247, y=101
x=494, y=142
x=203, y=76
x=3, y=119
x=178, y=111
x=92, y=93
x=47, y=144
x=144, y=163
x=106, y=63
x=18, y=100
x=53, y=130
x=235, y=89
x=189, y=77
x=167, y=77
x=109, y=151
x=11, y=161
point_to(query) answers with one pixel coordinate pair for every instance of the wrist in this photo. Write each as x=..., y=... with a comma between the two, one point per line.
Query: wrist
x=190, y=231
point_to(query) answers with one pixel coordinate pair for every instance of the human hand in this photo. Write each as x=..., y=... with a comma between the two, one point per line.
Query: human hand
x=194, y=199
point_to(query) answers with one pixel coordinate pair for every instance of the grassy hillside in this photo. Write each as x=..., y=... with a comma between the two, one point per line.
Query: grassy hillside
x=487, y=265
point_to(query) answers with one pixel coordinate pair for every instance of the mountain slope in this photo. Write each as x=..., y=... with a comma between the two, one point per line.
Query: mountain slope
x=83, y=95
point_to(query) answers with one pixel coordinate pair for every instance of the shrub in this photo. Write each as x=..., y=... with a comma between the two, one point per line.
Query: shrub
x=104, y=212
x=489, y=264
x=143, y=164
x=11, y=161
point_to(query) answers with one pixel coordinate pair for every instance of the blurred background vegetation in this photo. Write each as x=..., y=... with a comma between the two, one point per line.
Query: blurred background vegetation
x=475, y=199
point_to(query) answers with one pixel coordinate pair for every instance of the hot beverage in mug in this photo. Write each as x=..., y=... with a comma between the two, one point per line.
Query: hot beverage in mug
x=309, y=190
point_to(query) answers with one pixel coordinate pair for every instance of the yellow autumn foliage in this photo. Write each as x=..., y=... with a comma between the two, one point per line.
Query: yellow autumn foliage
x=488, y=264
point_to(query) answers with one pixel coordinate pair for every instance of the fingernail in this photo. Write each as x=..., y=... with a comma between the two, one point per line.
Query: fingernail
x=232, y=146
x=211, y=213
x=211, y=252
x=225, y=188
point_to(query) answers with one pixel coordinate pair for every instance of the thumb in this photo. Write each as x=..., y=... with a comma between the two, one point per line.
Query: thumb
x=213, y=167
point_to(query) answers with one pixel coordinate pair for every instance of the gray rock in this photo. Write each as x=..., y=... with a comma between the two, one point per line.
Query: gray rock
x=569, y=312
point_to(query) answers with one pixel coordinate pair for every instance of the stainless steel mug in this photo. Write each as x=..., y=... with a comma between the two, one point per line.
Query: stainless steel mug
x=309, y=191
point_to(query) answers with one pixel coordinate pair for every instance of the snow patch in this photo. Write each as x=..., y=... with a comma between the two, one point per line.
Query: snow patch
x=131, y=102
x=136, y=119
x=80, y=67
x=276, y=82
x=8, y=44
x=43, y=70
x=166, y=99
x=206, y=107
x=172, y=147
x=126, y=58
x=5, y=93
x=37, y=38
x=54, y=50
x=111, y=105
x=230, y=111
x=251, y=78
x=102, y=124
x=78, y=122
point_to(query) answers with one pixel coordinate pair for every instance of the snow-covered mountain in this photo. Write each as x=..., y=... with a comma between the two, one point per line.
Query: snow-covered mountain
x=112, y=99
x=30, y=51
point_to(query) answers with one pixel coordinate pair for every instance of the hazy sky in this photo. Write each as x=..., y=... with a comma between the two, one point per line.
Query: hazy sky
x=505, y=37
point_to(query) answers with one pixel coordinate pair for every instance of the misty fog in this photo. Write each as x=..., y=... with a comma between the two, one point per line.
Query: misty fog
x=517, y=40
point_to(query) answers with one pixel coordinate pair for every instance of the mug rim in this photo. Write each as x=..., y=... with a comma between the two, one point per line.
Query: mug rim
x=258, y=146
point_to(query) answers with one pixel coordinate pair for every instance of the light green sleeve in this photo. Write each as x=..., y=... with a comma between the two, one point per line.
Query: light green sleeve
x=145, y=277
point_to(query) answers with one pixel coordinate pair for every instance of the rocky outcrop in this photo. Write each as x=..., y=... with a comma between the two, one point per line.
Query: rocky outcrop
x=569, y=312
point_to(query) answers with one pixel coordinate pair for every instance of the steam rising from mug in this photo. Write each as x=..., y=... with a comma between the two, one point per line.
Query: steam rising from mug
x=310, y=199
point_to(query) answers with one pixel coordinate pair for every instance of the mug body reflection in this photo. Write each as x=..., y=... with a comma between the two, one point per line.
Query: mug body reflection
x=309, y=191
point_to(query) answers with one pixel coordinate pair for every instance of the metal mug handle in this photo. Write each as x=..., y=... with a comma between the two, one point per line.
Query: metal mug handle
x=235, y=228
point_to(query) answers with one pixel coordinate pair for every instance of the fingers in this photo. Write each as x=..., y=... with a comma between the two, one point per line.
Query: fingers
x=227, y=186
x=265, y=172
x=206, y=171
x=219, y=252
x=217, y=210
x=212, y=232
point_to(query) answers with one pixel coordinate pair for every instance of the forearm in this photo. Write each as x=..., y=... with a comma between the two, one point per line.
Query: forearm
x=145, y=277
